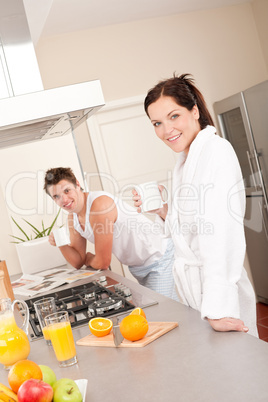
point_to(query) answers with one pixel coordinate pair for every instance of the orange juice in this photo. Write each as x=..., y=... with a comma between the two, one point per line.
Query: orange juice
x=45, y=331
x=62, y=340
x=14, y=343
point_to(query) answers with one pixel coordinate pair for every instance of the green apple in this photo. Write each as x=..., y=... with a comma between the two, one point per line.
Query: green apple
x=66, y=390
x=48, y=374
x=64, y=382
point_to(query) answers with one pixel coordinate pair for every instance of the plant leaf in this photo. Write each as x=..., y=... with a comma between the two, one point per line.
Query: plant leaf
x=38, y=233
x=18, y=238
x=53, y=223
x=34, y=228
x=20, y=229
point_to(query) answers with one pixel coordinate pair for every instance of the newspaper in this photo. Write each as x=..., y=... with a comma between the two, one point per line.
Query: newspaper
x=69, y=275
x=31, y=285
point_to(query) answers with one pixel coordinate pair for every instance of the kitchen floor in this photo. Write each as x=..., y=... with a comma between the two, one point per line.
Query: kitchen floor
x=262, y=321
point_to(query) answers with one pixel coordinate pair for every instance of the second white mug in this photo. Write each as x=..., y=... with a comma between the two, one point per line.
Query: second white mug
x=150, y=196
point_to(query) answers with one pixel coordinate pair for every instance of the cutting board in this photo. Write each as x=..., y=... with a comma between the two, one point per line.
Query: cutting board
x=156, y=329
x=6, y=287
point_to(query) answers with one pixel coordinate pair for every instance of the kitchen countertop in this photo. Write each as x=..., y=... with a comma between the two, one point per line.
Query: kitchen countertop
x=189, y=364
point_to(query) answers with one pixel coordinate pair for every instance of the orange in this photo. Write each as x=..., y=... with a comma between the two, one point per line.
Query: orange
x=21, y=371
x=138, y=311
x=100, y=326
x=134, y=327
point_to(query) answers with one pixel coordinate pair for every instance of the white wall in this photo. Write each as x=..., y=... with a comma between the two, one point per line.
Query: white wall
x=220, y=47
x=260, y=13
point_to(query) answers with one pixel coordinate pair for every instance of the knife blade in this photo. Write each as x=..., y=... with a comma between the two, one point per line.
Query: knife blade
x=117, y=336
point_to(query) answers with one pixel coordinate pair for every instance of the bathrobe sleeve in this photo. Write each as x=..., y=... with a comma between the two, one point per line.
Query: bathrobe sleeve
x=222, y=248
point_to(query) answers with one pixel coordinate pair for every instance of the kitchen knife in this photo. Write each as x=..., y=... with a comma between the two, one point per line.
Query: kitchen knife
x=118, y=337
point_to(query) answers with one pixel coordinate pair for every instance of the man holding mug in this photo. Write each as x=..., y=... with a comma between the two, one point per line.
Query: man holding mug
x=114, y=228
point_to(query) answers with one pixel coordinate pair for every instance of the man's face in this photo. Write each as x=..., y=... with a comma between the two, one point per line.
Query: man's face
x=66, y=195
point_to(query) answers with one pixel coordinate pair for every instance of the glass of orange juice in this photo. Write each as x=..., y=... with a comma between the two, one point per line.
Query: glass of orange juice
x=60, y=332
x=44, y=307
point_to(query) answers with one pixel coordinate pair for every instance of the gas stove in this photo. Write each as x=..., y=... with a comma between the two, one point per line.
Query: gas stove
x=104, y=297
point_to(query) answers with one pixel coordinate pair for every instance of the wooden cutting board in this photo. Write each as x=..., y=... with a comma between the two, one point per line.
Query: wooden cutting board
x=156, y=329
x=6, y=288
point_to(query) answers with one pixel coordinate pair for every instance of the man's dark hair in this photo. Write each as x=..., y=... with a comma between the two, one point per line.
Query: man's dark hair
x=55, y=175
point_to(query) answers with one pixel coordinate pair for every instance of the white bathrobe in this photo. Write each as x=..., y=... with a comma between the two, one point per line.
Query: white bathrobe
x=205, y=220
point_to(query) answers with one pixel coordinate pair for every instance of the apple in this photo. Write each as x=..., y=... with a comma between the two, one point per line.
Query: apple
x=64, y=382
x=66, y=390
x=48, y=374
x=35, y=391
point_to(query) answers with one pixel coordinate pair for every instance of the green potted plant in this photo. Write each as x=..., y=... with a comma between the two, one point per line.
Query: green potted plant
x=34, y=251
x=37, y=233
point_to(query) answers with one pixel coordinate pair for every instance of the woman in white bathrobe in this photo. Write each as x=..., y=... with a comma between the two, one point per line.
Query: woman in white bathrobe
x=206, y=212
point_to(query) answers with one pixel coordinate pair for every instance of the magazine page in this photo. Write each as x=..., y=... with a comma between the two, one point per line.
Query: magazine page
x=31, y=285
x=80, y=274
x=24, y=281
x=44, y=286
x=69, y=275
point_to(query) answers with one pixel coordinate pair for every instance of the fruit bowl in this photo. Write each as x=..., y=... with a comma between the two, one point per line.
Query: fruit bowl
x=82, y=385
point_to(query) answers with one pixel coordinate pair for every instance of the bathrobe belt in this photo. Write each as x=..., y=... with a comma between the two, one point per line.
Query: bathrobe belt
x=187, y=274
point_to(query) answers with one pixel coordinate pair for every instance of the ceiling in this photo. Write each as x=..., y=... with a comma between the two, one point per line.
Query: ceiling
x=53, y=17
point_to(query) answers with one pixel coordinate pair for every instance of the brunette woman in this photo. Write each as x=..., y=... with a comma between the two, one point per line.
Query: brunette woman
x=205, y=215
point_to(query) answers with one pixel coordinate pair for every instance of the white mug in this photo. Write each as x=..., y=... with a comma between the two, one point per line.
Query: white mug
x=61, y=236
x=150, y=196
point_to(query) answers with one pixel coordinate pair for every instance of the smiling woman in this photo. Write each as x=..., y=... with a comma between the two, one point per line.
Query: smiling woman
x=175, y=125
x=208, y=268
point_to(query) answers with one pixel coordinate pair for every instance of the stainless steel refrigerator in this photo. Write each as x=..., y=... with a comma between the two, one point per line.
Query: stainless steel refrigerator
x=243, y=120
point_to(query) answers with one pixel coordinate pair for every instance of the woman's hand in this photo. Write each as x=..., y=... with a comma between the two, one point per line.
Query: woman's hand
x=51, y=239
x=162, y=212
x=137, y=200
x=228, y=324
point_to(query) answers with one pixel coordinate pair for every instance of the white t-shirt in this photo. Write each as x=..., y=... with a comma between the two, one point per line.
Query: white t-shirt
x=137, y=241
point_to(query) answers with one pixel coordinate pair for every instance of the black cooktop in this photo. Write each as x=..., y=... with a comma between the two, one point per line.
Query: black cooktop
x=84, y=302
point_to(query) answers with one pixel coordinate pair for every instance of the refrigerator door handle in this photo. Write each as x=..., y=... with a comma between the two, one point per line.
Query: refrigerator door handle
x=261, y=179
x=251, y=169
x=263, y=220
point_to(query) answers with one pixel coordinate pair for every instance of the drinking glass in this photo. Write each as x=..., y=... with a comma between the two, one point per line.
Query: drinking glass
x=60, y=332
x=44, y=307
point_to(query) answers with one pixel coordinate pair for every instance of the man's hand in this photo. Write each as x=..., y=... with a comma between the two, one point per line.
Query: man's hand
x=228, y=324
x=51, y=239
x=91, y=260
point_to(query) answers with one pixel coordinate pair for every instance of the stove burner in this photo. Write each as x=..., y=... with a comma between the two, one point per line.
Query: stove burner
x=88, y=296
x=101, y=306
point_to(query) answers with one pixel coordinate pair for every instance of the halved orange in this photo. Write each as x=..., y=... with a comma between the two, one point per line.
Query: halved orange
x=100, y=326
x=138, y=311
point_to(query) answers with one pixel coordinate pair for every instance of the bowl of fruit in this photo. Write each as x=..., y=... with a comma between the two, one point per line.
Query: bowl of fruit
x=30, y=382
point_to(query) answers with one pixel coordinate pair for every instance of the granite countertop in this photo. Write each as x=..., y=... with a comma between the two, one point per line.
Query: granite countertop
x=190, y=363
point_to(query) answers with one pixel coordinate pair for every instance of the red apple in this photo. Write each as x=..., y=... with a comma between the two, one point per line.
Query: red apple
x=35, y=391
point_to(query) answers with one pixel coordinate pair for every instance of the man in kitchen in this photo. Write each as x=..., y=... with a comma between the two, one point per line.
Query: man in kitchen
x=114, y=228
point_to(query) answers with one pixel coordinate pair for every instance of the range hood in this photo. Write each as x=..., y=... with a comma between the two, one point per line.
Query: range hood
x=47, y=114
x=30, y=113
